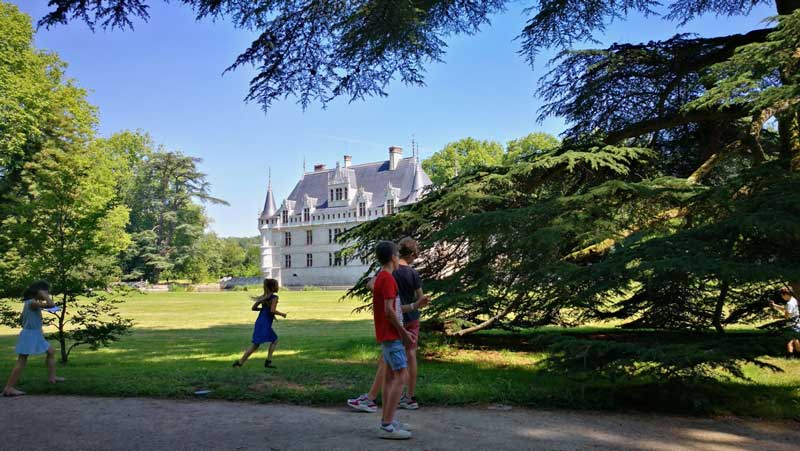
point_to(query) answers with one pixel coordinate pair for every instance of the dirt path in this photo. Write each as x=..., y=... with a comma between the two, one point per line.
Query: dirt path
x=150, y=424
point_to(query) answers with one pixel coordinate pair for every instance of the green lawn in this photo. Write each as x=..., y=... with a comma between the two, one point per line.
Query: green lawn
x=186, y=341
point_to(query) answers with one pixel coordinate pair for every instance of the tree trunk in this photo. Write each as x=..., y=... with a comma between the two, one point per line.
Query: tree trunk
x=723, y=294
x=789, y=122
x=787, y=6
x=789, y=131
x=62, y=339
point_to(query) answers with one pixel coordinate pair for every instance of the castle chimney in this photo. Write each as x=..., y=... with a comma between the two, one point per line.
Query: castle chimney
x=319, y=167
x=395, y=154
x=348, y=160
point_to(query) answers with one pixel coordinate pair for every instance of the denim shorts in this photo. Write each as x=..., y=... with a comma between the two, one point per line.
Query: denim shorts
x=394, y=354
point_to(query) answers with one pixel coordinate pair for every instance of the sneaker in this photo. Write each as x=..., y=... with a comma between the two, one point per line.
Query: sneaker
x=363, y=403
x=408, y=403
x=393, y=432
x=402, y=426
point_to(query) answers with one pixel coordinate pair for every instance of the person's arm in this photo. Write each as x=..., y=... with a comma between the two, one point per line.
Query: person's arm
x=420, y=302
x=392, y=317
x=42, y=303
x=257, y=306
x=371, y=284
x=274, y=308
x=782, y=310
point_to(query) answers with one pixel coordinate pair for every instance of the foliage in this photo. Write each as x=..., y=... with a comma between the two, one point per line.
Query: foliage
x=462, y=155
x=59, y=215
x=468, y=154
x=96, y=321
x=166, y=226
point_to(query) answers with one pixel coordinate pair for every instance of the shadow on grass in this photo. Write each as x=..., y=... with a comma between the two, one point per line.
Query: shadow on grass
x=323, y=362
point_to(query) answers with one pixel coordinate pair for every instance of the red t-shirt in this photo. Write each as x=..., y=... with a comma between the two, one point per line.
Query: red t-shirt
x=385, y=290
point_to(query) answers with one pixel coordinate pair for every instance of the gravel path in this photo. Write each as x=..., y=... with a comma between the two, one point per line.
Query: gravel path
x=79, y=423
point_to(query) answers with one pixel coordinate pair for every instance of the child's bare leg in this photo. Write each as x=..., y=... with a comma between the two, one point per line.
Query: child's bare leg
x=412, y=372
x=250, y=349
x=272, y=347
x=16, y=373
x=393, y=382
x=50, y=359
x=377, y=383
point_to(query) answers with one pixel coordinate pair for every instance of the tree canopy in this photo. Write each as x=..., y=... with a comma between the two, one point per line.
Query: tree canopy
x=469, y=153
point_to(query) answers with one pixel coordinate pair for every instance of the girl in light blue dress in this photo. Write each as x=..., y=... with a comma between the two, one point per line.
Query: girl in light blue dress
x=267, y=306
x=31, y=340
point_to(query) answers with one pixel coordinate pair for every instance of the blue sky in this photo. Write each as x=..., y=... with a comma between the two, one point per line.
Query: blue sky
x=165, y=77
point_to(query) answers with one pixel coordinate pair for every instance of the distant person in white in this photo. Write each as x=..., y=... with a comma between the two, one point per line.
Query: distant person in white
x=792, y=313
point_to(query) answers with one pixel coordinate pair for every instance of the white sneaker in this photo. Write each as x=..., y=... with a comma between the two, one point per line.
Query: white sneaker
x=402, y=426
x=363, y=403
x=408, y=403
x=393, y=432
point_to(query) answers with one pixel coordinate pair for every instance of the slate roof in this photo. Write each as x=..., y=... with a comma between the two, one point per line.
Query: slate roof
x=269, y=203
x=373, y=177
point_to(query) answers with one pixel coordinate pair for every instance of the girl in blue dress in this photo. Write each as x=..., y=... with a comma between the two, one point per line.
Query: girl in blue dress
x=267, y=306
x=31, y=340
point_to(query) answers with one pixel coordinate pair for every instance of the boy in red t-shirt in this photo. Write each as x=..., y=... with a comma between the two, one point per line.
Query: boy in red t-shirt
x=392, y=336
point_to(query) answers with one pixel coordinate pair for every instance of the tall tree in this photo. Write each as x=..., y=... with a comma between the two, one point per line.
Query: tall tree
x=166, y=223
x=462, y=155
x=59, y=218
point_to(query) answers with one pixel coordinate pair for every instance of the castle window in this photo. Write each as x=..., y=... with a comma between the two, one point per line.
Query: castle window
x=306, y=214
x=362, y=208
x=287, y=261
x=309, y=260
x=330, y=259
x=346, y=194
x=285, y=216
x=332, y=199
x=330, y=236
x=337, y=260
x=309, y=237
x=390, y=206
x=287, y=238
x=339, y=194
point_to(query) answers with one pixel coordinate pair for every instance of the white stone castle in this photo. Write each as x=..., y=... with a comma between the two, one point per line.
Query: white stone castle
x=298, y=240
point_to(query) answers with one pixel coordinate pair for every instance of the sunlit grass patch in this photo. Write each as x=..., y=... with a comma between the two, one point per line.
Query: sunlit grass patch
x=183, y=342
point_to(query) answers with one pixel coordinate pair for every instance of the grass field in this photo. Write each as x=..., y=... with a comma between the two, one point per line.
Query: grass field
x=187, y=341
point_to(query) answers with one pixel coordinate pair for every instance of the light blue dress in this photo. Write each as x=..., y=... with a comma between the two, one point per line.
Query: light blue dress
x=31, y=340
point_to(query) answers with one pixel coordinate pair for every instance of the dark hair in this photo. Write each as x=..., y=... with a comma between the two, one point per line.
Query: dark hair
x=786, y=291
x=408, y=247
x=34, y=289
x=384, y=251
x=270, y=285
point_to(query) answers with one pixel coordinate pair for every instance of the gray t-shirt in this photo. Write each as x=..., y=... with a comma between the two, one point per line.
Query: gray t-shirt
x=408, y=281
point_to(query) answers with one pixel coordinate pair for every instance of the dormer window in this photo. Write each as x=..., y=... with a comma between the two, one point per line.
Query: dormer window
x=285, y=216
x=389, y=207
x=362, y=209
x=306, y=214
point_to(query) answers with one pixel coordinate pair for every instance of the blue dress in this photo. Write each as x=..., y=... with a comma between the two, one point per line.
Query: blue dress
x=263, y=332
x=31, y=340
